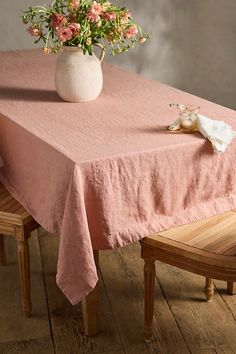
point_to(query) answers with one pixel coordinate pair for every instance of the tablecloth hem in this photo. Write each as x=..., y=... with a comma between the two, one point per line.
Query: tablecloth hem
x=75, y=300
x=157, y=224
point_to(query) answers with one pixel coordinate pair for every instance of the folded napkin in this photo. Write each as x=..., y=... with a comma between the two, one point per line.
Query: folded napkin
x=219, y=133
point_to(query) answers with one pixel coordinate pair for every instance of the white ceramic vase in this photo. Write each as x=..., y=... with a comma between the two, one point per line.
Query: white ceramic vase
x=78, y=76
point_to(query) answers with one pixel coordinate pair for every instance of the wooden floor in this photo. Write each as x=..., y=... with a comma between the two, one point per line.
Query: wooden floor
x=184, y=322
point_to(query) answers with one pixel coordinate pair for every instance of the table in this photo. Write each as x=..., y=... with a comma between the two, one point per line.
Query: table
x=106, y=173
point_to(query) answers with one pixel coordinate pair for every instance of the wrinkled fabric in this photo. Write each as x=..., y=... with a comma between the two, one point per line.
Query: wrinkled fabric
x=219, y=133
x=105, y=173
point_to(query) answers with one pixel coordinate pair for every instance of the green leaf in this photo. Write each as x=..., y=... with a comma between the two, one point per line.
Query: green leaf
x=37, y=40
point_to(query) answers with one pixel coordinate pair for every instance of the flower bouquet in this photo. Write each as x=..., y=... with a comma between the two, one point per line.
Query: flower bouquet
x=83, y=23
x=77, y=26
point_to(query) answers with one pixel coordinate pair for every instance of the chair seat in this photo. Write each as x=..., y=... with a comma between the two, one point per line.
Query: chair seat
x=206, y=247
x=216, y=234
x=11, y=211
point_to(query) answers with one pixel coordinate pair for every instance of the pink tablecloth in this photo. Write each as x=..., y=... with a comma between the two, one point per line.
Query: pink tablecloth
x=106, y=173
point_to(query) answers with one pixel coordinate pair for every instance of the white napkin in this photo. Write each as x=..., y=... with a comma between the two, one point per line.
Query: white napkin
x=218, y=132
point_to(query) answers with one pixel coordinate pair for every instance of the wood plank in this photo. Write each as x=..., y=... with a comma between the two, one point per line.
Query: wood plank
x=4, y=201
x=14, y=326
x=231, y=251
x=224, y=350
x=2, y=251
x=204, y=325
x=215, y=234
x=230, y=300
x=20, y=210
x=66, y=320
x=3, y=193
x=112, y=352
x=8, y=218
x=222, y=244
x=204, y=351
x=33, y=346
x=9, y=205
x=122, y=272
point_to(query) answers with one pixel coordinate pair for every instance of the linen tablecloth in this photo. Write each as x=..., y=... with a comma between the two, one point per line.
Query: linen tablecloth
x=106, y=173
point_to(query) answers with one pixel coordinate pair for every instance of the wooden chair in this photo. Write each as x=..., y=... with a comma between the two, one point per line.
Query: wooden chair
x=15, y=221
x=206, y=247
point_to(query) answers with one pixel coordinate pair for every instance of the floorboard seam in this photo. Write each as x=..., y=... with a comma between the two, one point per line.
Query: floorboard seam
x=117, y=327
x=222, y=297
x=177, y=324
x=46, y=296
x=119, y=254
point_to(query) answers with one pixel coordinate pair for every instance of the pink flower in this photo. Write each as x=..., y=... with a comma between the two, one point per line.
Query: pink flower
x=74, y=4
x=74, y=28
x=95, y=8
x=35, y=32
x=57, y=20
x=64, y=34
x=109, y=16
x=131, y=32
x=92, y=17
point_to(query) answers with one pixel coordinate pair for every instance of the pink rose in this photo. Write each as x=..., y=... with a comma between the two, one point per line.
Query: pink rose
x=131, y=32
x=74, y=4
x=95, y=8
x=109, y=16
x=35, y=32
x=57, y=20
x=64, y=34
x=74, y=28
x=92, y=17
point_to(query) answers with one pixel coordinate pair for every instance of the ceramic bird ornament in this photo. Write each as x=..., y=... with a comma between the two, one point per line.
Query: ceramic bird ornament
x=219, y=133
x=188, y=119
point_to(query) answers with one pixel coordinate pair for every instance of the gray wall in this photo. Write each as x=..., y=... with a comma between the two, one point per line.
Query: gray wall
x=193, y=45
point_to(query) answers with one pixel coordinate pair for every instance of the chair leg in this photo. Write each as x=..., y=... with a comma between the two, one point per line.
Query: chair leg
x=149, y=282
x=209, y=289
x=90, y=306
x=230, y=287
x=2, y=251
x=24, y=267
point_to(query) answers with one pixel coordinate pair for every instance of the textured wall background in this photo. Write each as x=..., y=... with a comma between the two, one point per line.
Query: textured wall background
x=193, y=45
